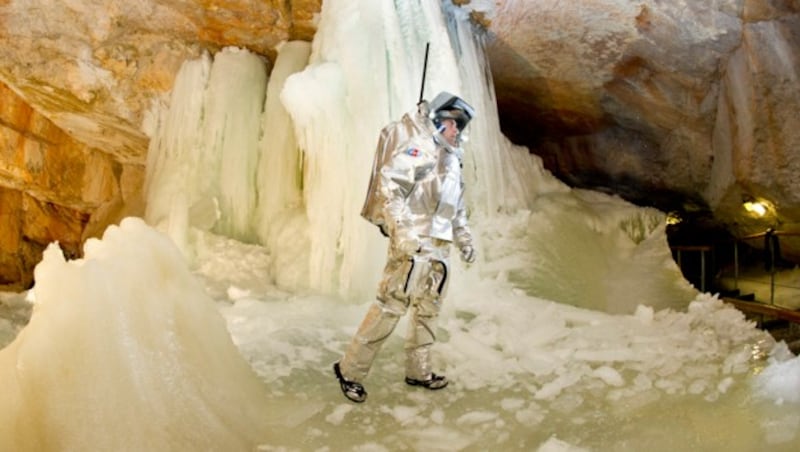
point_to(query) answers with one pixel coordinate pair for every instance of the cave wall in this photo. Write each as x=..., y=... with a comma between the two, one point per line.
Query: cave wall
x=685, y=106
x=52, y=188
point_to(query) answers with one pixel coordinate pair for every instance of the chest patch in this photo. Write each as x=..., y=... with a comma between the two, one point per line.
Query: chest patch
x=413, y=152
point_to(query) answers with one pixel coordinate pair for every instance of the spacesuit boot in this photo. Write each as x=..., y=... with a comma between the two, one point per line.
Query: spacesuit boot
x=351, y=389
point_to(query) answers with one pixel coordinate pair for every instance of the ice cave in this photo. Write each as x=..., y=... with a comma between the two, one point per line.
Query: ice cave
x=212, y=322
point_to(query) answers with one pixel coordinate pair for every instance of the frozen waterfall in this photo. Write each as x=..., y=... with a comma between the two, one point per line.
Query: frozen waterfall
x=301, y=195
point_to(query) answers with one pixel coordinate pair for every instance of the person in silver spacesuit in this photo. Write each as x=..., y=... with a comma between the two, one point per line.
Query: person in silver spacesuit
x=416, y=198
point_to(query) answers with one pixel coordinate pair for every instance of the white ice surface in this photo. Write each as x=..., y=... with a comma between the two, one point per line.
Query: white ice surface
x=526, y=372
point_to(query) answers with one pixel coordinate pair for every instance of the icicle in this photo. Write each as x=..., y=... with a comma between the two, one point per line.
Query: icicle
x=234, y=101
x=280, y=165
x=172, y=167
x=202, y=158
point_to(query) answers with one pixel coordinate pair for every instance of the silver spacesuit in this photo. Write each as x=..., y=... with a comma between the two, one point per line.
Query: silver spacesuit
x=416, y=198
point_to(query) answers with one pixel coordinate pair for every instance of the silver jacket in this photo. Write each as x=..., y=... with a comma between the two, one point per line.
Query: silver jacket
x=416, y=188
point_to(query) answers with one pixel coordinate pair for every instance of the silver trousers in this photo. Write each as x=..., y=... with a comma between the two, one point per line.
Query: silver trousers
x=418, y=282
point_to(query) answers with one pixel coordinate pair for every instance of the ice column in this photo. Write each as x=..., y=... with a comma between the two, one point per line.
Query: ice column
x=280, y=168
x=203, y=155
x=234, y=102
x=173, y=181
x=301, y=194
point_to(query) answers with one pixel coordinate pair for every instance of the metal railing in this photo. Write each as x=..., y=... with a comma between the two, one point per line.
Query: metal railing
x=771, y=239
x=703, y=249
x=771, y=248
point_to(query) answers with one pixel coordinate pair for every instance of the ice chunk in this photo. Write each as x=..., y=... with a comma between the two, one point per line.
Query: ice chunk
x=609, y=375
x=780, y=380
x=126, y=333
x=781, y=430
x=339, y=413
x=556, y=445
x=476, y=417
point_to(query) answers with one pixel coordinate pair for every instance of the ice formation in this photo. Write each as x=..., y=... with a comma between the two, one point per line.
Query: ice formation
x=125, y=349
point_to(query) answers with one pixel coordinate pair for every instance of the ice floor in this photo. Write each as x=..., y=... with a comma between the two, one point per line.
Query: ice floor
x=526, y=373
x=584, y=407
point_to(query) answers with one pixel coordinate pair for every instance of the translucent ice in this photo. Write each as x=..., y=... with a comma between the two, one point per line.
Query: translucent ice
x=125, y=351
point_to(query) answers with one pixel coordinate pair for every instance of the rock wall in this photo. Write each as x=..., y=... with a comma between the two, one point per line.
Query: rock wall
x=94, y=67
x=757, y=131
x=52, y=188
x=683, y=105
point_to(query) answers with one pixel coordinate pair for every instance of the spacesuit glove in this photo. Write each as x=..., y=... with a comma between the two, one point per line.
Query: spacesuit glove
x=407, y=243
x=468, y=254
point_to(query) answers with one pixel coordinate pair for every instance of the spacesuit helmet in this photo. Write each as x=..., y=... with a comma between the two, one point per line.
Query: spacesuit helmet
x=450, y=106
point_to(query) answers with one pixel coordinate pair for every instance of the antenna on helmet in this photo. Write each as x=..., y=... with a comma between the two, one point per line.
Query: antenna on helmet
x=424, y=71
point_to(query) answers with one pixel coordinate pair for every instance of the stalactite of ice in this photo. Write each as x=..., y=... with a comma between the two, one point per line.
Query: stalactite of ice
x=173, y=178
x=339, y=104
x=280, y=167
x=232, y=126
x=280, y=220
x=202, y=159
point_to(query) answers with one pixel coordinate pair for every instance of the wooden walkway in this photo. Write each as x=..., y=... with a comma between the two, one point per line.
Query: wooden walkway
x=753, y=307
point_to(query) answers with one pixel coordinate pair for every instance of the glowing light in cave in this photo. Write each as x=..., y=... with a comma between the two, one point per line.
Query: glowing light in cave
x=757, y=208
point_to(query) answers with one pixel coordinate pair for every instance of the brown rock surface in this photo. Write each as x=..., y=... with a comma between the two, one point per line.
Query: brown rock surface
x=686, y=106
x=51, y=186
x=94, y=66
